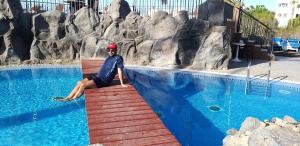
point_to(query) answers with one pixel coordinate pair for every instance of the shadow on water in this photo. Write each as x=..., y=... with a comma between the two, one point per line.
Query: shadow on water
x=167, y=93
x=40, y=115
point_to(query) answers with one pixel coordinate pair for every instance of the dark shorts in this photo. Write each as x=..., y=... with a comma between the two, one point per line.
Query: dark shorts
x=99, y=83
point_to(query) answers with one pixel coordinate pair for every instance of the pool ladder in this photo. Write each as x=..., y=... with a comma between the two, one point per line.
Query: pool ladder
x=267, y=85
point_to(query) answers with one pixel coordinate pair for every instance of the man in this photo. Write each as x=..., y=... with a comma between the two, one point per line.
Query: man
x=112, y=65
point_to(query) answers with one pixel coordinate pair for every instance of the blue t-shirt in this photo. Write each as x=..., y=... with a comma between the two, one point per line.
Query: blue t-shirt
x=110, y=68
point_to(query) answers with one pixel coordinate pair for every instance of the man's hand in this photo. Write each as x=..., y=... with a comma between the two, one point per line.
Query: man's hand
x=120, y=73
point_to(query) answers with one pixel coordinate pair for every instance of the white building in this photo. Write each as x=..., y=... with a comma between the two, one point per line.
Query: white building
x=286, y=10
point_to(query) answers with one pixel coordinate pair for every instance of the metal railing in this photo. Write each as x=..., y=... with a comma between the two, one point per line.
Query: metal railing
x=248, y=76
x=143, y=7
x=252, y=28
x=270, y=52
x=267, y=86
x=149, y=7
x=35, y=6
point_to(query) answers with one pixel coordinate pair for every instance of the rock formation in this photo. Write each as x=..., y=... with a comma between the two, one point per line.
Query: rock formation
x=15, y=35
x=277, y=132
x=50, y=38
x=160, y=40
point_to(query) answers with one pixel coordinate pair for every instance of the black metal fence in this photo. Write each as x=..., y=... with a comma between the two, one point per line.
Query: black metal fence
x=143, y=7
x=149, y=7
x=254, y=29
x=35, y=6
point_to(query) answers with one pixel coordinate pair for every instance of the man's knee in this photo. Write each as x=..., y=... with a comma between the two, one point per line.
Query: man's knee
x=82, y=85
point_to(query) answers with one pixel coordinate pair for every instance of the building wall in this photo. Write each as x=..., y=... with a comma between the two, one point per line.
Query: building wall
x=285, y=11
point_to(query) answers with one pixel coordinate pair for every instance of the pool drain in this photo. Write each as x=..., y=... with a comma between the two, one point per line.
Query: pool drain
x=214, y=108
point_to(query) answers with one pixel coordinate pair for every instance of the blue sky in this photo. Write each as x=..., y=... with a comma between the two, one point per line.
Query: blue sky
x=269, y=4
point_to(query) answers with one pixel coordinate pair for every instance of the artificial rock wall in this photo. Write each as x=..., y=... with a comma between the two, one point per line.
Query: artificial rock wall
x=15, y=34
x=160, y=40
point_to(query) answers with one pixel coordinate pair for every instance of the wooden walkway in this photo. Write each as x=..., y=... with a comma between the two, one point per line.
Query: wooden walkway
x=120, y=116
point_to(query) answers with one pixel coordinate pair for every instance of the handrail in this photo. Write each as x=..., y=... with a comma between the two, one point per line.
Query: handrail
x=247, y=79
x=249, y=26
x=269, y=71
x=268, y=80
x=249, y=15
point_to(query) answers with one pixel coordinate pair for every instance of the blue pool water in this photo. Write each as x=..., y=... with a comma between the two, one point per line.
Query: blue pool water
x=183, y=101
x=29, y=117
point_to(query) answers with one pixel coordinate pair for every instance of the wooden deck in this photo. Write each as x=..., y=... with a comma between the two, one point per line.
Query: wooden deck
x=120, y=116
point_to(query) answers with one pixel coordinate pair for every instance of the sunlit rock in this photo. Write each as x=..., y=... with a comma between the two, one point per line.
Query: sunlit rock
x=253, y=133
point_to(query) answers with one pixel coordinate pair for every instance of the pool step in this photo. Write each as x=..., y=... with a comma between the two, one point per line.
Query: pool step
x=257, y=88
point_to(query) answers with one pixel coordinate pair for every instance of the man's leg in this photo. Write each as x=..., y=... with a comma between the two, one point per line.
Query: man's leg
x=84, y=84
x=75, y=89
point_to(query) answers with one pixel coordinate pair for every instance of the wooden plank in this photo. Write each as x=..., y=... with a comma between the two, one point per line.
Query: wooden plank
x=119, y=116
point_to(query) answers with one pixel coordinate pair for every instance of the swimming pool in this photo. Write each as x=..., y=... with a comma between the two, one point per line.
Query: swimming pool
x=28, y=116
x=199, y=108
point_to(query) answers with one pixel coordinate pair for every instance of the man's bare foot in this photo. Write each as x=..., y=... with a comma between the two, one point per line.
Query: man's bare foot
x=124, y=86
x=60, y=99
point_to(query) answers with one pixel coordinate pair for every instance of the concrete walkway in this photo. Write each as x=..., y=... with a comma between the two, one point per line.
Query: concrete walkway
x=284, y=68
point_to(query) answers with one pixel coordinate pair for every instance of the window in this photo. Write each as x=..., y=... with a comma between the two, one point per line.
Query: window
x=279, y=15
x=283, y=4
x=298, y=5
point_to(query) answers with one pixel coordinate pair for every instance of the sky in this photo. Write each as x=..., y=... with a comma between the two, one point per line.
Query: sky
x=269, y=4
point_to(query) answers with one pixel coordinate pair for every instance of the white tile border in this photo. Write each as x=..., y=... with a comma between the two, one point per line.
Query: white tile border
x=36, y=66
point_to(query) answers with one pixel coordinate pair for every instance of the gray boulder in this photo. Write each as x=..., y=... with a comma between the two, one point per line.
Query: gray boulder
x=214, y=52
x=256, y=133
x=86, y=19
x=94, y=46
x=50, y=38
x=186, y=46
x=105, y=22
x=114, y=31
x=155, y=48
x=213, y=11
x=290, y=120
x=250, y=124
x=14, y=46
x=274, y=137
x=131, y=25
x=160, y=26
x=119, y=9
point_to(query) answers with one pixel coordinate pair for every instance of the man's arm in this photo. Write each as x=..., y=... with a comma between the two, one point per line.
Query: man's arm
x=120, y=73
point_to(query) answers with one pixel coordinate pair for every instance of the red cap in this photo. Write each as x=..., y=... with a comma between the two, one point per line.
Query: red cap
x=112, y=46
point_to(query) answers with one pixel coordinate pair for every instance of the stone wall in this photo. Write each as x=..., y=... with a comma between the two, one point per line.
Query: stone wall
x=161, y=40
x=15, y=34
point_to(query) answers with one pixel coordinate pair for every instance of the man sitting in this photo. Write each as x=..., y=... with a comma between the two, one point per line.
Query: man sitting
x=112, y=65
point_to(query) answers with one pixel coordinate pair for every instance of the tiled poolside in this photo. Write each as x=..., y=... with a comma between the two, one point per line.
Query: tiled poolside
x=283, y=68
